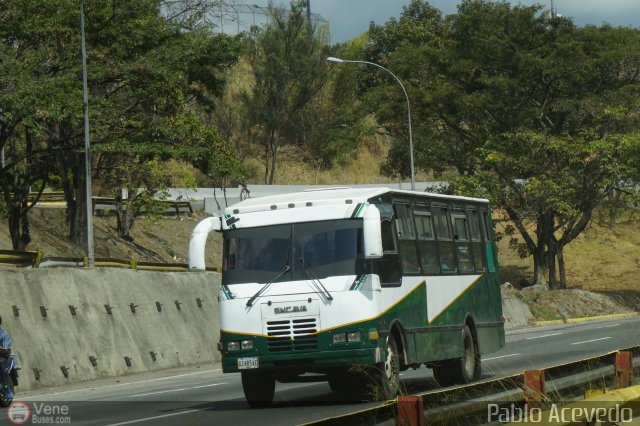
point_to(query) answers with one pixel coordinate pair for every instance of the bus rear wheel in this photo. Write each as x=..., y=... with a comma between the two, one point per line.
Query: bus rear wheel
x=461, y=370
x=259, y=388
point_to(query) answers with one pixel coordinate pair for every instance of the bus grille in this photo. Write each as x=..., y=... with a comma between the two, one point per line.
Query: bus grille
x=292, y=335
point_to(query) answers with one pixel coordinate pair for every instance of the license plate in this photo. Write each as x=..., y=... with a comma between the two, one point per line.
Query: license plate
x=247, y=363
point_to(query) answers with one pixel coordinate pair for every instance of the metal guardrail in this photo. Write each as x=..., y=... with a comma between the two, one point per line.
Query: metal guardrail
x=178, y=206
x=468, y=404
x=21, y=258
x=99, y=203
x=37, y=260
x=47, y=197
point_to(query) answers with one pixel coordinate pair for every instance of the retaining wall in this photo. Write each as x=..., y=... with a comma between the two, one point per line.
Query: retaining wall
x=177, y=337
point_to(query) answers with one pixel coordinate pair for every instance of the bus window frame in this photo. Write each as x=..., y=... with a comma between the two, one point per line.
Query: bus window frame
x=459, y=211
x=447, y=207
x=387, y=255
x=480, y=240
x=426, y=212
x=489, y=241
x=409, y=203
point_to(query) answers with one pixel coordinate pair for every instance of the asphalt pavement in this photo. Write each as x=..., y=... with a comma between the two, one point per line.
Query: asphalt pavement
x=205, y=396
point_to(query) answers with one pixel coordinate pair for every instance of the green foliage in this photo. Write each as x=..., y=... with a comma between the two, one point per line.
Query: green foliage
x=420, y=24
x=149, y=77
x=399, y=46
x=289, y=71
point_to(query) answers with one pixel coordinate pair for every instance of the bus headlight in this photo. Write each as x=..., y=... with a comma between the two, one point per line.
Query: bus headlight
x=246, y=344
x=353, y=336
x=233, y=346
x=339, y=338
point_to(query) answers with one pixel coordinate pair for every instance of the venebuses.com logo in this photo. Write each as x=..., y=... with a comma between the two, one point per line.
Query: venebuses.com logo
x=19, y=412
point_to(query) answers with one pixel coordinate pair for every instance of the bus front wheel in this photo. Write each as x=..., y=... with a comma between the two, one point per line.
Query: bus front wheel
x=460, y=370
x=390, y=372
x=259, y=388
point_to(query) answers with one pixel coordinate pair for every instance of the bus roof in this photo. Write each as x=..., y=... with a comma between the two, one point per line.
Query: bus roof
x=331, y=196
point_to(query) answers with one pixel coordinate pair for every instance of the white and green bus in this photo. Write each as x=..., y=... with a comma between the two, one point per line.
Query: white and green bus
x=353, y=286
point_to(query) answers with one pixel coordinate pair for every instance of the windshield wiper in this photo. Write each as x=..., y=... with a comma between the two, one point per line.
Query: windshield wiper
x=264, y=287
x=314, y=278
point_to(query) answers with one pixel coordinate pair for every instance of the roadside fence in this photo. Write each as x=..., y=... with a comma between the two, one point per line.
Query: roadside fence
x=36, y=259
x=57, y=199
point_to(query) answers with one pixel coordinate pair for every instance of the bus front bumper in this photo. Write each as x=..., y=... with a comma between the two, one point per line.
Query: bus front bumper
x=318, y=361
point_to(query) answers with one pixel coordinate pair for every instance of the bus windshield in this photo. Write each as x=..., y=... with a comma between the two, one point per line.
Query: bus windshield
x=327, y=248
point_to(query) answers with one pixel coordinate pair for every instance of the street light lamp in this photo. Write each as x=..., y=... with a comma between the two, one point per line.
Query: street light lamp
x=341, y=61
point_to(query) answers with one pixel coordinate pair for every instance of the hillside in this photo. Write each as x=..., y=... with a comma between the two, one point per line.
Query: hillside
x=600, y=259
x=155, y=240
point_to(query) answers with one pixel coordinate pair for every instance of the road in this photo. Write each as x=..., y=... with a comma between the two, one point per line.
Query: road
x=205, y=396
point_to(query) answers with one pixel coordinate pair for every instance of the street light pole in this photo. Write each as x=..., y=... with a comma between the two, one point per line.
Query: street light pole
x=87, y=146
x=341, y=61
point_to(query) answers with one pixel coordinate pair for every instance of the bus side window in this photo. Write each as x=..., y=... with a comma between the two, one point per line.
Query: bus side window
x=491, y=266
x=388, y=266
x=407, y=240
x=445, y=241
x=404, y=224
x=426, y=241
x=475, y=227
x=229, y=261
x=463, y=245
x=388, y=242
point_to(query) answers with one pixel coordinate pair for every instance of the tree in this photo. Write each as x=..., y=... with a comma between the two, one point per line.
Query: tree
x=34, y=91
x=420, y=29
x=145, y=73
x=148, y=109
x=289, y=70
x=532, y=112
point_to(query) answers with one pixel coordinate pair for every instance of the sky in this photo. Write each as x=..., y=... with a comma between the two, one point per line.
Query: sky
x=350, y=18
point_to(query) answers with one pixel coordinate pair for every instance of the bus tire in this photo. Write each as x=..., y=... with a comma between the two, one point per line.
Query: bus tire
x=259, y=388
x=389, y=379
x=378, y=382
x=462, y=370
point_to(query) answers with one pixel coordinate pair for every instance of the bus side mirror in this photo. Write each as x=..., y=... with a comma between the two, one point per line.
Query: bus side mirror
x=372, y=233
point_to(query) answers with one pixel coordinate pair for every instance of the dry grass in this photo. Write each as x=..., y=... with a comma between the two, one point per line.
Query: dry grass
x=163, y=239
x=363, y=168
x=600, y=259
